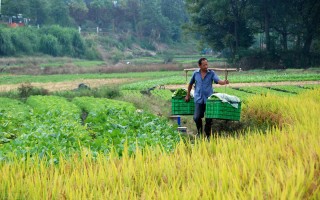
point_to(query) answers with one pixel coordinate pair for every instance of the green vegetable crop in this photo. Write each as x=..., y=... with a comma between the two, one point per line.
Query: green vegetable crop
x=180, y=93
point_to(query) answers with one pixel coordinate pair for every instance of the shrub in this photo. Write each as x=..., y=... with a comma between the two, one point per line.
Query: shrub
x=117, y=55
x=70, y=41
x=22, y=44
x=63, y=36
x=32, y=36
x=78, y=45
x=49, y=45
x=107, y=92
x=91, y=52
x=110, y=43
x=168, y=58
x=6, y=46
x=26, y=90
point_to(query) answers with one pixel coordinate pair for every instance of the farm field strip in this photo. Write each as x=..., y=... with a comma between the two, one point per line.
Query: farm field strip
x=282, y=162
x=182, y=59
x=153, y=83
x=314, y=86
x=167, y=77
x=237, y=78
x=131, y=93
x=119, y=126
x=180, y=80
x=52, y=126
x=289, y=88
x=16, y=79
x=264, y=91
x=162, y=93
x=245, y=92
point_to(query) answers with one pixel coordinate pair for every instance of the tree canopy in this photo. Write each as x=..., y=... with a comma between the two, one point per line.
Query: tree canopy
x=287, y=31
x=155, y=19
x=279, y=31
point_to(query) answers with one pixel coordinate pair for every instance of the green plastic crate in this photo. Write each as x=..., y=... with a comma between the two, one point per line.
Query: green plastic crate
x=216, y=109
x=180, y=107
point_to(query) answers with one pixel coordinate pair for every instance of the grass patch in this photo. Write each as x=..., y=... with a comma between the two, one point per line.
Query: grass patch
x=88, y=63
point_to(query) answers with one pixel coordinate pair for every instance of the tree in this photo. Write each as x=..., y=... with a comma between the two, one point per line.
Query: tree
x=39, y=11
x=153, y=24
x=221, y=23
x=14, y=7
x=133, y=14
x=78, y=10
x=176, y=13
x=100, y=12
x=310, y=17
x=59, y=13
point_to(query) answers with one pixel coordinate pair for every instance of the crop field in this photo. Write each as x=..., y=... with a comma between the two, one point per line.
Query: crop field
x=180, y=59
x=49, y=125
x=85, y=147
x=241, y=92
x=169, y=77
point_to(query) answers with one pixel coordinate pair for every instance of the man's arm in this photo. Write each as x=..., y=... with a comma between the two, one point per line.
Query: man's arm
x=223, y=82
x=187, y=98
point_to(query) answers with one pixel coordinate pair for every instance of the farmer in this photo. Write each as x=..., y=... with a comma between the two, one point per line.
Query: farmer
x=203, y=79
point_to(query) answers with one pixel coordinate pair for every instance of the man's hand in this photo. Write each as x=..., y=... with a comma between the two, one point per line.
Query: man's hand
x=187, y=98
x=223, y=82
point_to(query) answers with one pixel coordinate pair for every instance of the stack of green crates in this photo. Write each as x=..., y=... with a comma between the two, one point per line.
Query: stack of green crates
x=217, y=109
x=180, y=107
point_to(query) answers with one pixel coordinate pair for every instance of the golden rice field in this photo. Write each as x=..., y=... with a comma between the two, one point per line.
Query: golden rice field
x=283, y=163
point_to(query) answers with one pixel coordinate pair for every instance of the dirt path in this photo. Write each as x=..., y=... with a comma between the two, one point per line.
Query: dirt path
x=93, y=83
x=68, y=85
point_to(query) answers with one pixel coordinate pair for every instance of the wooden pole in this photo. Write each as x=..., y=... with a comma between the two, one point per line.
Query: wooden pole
x=226, y=77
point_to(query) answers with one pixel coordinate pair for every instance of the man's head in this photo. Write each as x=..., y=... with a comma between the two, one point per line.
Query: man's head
x=203, y=64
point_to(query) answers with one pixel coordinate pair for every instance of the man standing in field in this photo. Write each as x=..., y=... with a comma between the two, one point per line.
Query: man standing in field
x=203, y=79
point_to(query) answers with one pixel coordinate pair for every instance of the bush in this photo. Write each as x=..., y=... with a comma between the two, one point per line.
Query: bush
x=49, y=45
x=32, y=36
x=63, y=36
x=147, y=45
x=26, y=90
x=6, y=46
x=110, y=43
x=107, y=92
x=259, y=60
x=78, y=45
x=54, y=40
x=117, y=55
x=22, y=44
x=168, y=58
x=91, y=52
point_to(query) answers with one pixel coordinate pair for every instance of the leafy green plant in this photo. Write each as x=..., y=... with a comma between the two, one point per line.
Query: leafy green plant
x=13, y=114
x=116, y=122
x=52, y=125
x=180, y=93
